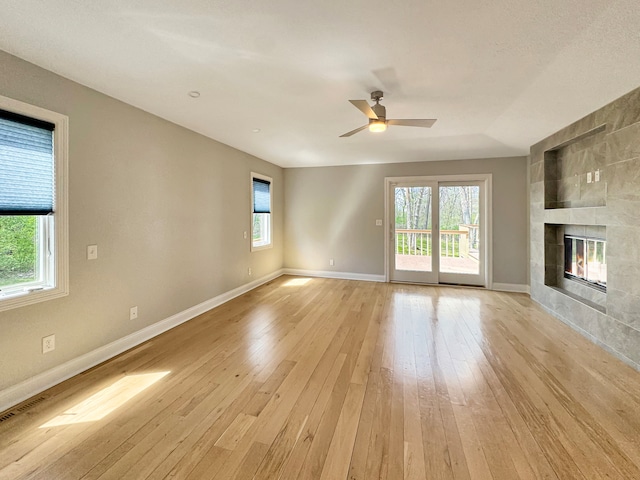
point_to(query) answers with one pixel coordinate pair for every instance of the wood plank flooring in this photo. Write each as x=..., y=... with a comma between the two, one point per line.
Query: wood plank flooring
x=336, y=379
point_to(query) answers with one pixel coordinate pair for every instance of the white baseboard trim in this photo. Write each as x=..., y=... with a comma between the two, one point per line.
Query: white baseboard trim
x=510, y=287
x=15, y=394
x=367, y=277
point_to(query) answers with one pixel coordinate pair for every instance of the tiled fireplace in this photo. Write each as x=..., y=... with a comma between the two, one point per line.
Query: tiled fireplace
x=585, y=226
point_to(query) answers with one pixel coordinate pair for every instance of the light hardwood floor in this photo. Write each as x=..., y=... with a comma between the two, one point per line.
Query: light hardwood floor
x=337, y=379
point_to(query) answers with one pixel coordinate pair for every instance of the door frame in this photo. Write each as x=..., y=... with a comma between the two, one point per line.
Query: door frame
x=486, y=178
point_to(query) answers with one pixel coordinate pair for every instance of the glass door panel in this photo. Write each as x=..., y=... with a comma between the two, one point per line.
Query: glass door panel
x=460, y=233
x=459, y=229
x=412, y=256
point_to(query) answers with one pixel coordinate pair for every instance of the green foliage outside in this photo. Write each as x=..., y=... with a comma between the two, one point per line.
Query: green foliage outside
x=17, y=249
x=458, y=205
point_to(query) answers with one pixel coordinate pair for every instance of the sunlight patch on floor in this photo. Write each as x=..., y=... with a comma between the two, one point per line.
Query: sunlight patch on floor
x=297, y=282
x=106, y=400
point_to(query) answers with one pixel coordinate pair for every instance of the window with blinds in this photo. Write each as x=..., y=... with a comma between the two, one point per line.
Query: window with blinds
x=261, y=211
x=32, y=228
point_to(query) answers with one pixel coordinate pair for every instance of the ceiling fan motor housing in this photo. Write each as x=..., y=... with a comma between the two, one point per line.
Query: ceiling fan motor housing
x=377, y=95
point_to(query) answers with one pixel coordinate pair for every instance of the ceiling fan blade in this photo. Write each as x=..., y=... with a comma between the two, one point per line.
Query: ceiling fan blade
x=425, y=122
x=365, y=108
x=353, y=132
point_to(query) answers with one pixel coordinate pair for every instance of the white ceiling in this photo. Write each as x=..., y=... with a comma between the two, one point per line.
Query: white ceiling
x=499, y=75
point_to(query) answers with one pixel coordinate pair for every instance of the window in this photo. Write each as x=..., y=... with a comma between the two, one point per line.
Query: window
x=261, y=211
x=33, y=204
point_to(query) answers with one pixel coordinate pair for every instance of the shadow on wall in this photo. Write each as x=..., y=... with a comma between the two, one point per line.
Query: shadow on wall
x=351, y=204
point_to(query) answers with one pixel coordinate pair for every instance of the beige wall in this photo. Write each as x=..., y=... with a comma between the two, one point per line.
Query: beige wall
x=167, y=208
x=330, y=212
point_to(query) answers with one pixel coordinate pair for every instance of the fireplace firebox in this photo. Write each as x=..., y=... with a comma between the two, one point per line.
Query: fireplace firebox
x=585, y=260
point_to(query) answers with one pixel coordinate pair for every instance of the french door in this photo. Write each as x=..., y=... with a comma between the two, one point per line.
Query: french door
x=437, y=231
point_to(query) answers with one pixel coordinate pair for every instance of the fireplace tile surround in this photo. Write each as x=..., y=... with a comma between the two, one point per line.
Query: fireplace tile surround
x=562, y=200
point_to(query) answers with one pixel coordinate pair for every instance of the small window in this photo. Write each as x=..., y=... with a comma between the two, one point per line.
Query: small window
x=261, y=211
x=33, y=230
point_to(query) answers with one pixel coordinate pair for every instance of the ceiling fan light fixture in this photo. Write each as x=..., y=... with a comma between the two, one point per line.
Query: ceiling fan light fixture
x=377, y=126
x=378, y=120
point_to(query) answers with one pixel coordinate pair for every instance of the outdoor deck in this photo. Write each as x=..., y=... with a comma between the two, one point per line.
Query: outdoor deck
x=422, y=263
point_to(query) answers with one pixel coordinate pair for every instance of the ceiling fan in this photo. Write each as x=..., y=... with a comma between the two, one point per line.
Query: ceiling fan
x=378, y=116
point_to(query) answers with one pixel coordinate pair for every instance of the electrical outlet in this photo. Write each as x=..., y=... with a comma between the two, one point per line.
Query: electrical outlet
x=249, y=271
x=588, y=177
x=378, y=223
x=331, y=262
x=244, y=235
x=48, y=343
x=92, y=252
x=133, y=313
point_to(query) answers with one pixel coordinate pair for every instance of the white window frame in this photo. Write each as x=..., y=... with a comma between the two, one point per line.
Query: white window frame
x=255, y=248
x=54, y=227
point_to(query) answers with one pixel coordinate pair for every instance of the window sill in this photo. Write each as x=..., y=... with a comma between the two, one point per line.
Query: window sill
x=21, y=299
x=261, y=247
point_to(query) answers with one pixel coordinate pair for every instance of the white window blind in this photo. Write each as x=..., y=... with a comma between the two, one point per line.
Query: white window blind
x=26, y=165
x=261, y=196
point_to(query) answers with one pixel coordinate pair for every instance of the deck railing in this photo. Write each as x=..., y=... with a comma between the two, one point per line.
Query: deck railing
x=453, y=243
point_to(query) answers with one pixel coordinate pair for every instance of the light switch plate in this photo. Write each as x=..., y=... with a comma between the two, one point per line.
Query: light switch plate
x=92, y=252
